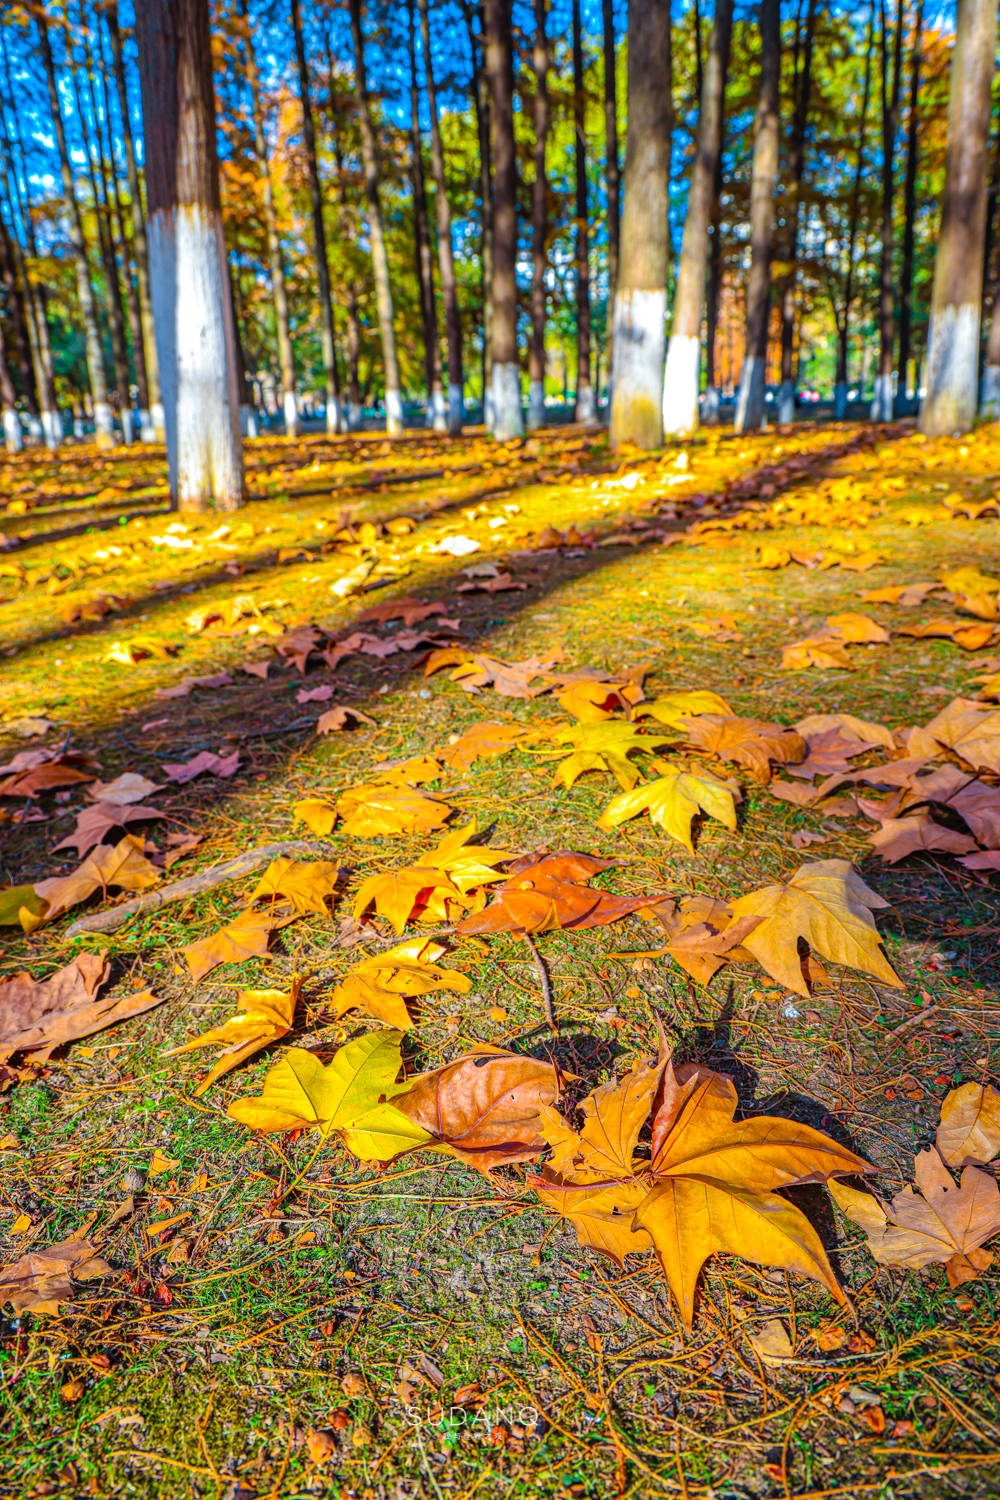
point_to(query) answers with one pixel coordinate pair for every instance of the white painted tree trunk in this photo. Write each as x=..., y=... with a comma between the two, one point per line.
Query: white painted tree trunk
x=840, y=401
x=437, y=412
x=507, y=419
x=192, y=309
x=638, y=353
x=585, y=409
x=989, y=403
x=680, y=384
x=952, y=369
x=12, y=435
x=456, y=408
x=147, y=432
x=750, y=402
x=35, y=429
x=710, y=406
x=354, y=416
x=52, y=429
x=536, y=405
x=104, y=425
x=393, y=412
x=882, y=399
x=786, y=403
x=290, y=407
x=334, y=418
x=249, y=425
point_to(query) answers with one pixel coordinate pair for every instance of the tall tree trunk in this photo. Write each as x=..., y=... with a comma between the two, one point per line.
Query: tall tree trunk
x=376, y=231
x=484, y=130
x=19, y=317
x=539, y=221
x=192, y=305
x=949, y=405
x=713, y=290
x=750, y=401
x=12, y=435
x=681, y=377
x=844, y=324
x=104, y=431
x=584, y=388
x=641, y=296
x=275, y=258
x=882, y=397
x=506, y=376
x=612, y=167
x=347, y=224
x=790, y=256
x=151, y=422
x=132, y=310
x=97, y=173
x=437, y=416
x=328, y=345
x=446, y=254
x=909, y=214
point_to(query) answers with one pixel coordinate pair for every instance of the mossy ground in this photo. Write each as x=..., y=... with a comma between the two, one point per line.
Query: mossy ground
x=225, y=1336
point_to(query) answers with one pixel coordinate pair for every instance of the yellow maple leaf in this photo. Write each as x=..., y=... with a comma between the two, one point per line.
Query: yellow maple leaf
x=673, y=801
x=381, y=984
x=264, y=1017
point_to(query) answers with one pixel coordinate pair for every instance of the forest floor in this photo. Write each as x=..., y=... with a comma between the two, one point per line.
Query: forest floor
x=279, y=1319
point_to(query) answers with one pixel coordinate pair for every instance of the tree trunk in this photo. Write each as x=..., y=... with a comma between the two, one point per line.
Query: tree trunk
x=35, y=307
x=484, y=130
x=192, y=306
x=882, y=397
x=275, y=258
x=641, y=296
x=796, y=166
x=346, y=222
x=376, y=232
x=103, y=423
x=437, y=416
x=539, y=221
x=612, y=168
x=843, y=329
x=750, y=401
x=151, y=422
x=19, y=316
x=710, y=413
x=12, y=435
x=909, y=215
x=97, y=172
x=680, y=381
x=506, y=376
x=446, y=254
x=584, y=411
x=333, y=423
x=949, y=405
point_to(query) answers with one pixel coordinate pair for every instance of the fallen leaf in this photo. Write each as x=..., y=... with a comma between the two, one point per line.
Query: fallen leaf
x=342, y=716
x=480, y=742
x=752, y=743
x=540, y=894
x=202, y=763
x=673, y=801
x=265, y=1017
x=42, y=1280
x=969, y=1130
x=381, y=984
x=376, y=810
x=246, y=936
x=307, y=884
x=771, y=1344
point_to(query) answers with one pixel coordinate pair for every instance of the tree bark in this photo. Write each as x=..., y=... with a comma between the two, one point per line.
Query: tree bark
x=376, y=231
x=843, y=329
x=796, y=167
x=333, y=420
x=20, y=324
x=909, y=213
x=750, y=401
x=34, y=296
x=192, y=306
x=484, y=130
x=584, y=411
x=437, y=416
x=539, y=221
x=346, y=222
x=154, y=416
x=612, y=167
x=12, y=435
x=506, y=377
x=681, y=377
x=103, y=423
x=949, y=405
x=641, y=297
x=882, y=397
x=446, y=254
x=275, y=258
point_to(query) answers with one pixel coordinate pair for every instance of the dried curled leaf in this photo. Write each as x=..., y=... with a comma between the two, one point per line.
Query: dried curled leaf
x=42, y=1280
x=969, y=1129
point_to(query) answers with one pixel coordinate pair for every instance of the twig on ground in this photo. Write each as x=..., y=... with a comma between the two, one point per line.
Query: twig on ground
x=193, y=885
x=545, y=985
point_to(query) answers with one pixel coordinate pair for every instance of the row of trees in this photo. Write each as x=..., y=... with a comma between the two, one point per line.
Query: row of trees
x=360, y=217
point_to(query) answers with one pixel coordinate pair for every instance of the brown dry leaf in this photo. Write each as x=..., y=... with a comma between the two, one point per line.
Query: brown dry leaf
x=474, y=671
x=266, y=1015
x=484, y=1108
x=941, y=1223
x=702, y=933
x=907, y=594
x=125, y=789
x=246, y=936
x=752, y=743
x=711, y=1185
x=39, y=1015
x=540, y=894
x=307, y=884
x=969, y=637
x=898, y=838
x=969, y=1131
x=480, y=742
x=202, y=763
x=860, y=733
x=100, y=818
x=771, y=1344
x=34, y=771
x=971, y=731
x=342, y=716
x=410, y=611
x=823, y=651
x=381, y=984
x=124, y=865
x=827, y=905
x=42, y=1280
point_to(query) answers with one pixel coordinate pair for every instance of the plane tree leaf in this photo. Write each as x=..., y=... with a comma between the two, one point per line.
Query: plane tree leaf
x=673, y=801
x=264, y=1017
x=381, y=984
